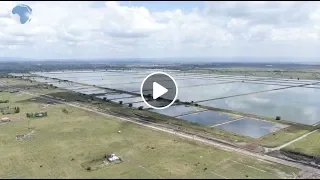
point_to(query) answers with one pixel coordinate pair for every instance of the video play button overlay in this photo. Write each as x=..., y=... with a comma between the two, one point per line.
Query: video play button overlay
x=159, y=90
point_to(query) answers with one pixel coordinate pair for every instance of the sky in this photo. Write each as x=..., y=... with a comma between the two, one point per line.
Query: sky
x=133, y=29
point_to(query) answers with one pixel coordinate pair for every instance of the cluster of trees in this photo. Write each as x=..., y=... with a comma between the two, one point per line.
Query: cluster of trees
x=40, y=114
x=8, y=110
x=16, y=109
x=4, y=101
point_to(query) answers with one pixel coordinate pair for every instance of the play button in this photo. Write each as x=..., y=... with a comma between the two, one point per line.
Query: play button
x=159, y=90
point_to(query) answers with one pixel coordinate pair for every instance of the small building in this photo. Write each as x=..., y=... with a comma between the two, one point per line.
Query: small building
x=112, y=158
x=39, y=114
x=5, y=119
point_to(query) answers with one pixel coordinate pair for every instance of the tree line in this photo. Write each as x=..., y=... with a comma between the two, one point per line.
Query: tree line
x=8, y=110
x=4, y=101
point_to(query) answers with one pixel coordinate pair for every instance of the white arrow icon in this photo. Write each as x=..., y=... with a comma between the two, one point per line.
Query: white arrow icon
x=158, y=90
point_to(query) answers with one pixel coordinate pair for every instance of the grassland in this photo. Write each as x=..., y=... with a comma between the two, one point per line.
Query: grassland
x=309, y=146
x=62, y=142
x=282, y=136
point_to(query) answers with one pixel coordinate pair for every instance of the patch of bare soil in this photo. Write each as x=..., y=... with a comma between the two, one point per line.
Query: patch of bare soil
x=305, y=174
x=21, y=137
x=251, y=147
x=299, y=158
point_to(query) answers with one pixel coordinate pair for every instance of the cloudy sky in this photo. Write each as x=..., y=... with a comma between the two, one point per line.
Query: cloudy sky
x=109, y=29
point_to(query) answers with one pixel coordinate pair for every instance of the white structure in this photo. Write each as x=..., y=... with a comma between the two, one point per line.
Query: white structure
x=5, y=119
x=112, y=158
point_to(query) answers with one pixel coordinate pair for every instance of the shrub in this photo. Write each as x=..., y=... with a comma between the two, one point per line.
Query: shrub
x=16, y=109
x=177, y=100
x=65, y=111
x=120, y=102
x=140, y=108
x=130, y=104
x=278, y=118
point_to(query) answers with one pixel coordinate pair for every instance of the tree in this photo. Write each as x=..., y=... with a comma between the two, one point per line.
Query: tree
x=17, y=110
x=278, y=118
x=120, y=102
x=130, y=104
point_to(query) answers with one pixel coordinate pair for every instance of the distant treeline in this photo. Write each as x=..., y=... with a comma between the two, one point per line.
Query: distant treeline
x=4, y=101
x=24, y=67
x=27, y=66
x=8, y=110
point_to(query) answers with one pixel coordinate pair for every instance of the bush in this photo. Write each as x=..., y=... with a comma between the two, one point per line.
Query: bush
x=16, y=109
x=278, y=118
x=130, y=104
x=196, y=104
x=120, y=102
x=29, y=115
x=177, y=100
x=65, y=111
x=140, y=108
x=191, y=102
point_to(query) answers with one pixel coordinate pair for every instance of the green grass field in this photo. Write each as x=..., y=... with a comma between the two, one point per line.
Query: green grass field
x=309, y=145
x=63, y=142
x=282, y=136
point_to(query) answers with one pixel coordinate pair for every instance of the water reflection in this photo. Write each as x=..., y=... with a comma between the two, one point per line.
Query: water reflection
x=129, y=100
x=200, y=93
x=177, y=110
x=208, y=118
x=301, y=105
x=251, y=127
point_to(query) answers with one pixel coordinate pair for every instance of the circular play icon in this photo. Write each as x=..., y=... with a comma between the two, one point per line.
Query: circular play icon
x=159, y=90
